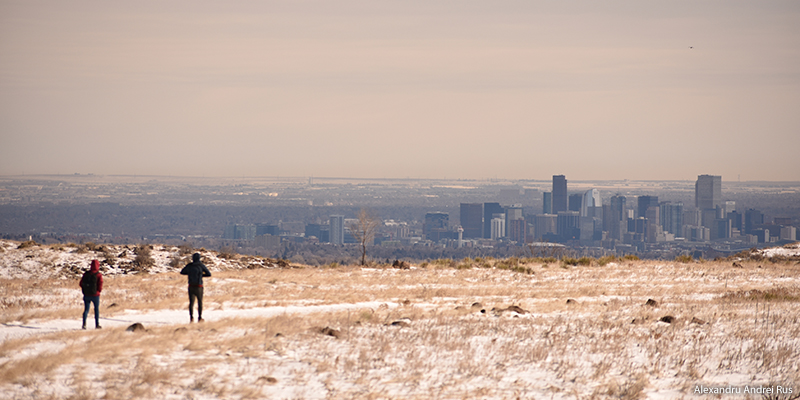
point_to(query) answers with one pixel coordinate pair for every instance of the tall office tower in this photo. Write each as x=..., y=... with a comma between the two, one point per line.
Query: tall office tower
x=653, y=218
x=737, y=220
x=336, y=229
x=617, y=218
x=559, y=193
x=513, y=213
x=472, y=220
x=591, y=200
x=517, y=230
x=574, y=202
x=435, y=224
x=544, y=224
x=672, y=218
x=753, y=219
x=547, y=202
x=498, y=226
x=708, y=192
x=730, y=206
x=568, y=225
x=489, y=210
x=645, y=202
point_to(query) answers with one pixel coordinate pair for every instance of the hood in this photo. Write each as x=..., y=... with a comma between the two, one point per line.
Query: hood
x=95, y=266
x=196, y=257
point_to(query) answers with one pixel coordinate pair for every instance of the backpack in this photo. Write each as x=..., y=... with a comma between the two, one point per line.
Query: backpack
x=89, y=284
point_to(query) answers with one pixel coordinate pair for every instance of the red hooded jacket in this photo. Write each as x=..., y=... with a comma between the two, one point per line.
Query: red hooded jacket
x=95, y=269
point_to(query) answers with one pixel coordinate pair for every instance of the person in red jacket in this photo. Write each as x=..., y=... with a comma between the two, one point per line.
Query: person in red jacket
x=92, y=285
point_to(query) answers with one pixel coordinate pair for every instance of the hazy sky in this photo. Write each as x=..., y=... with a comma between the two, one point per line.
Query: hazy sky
x=419, y=89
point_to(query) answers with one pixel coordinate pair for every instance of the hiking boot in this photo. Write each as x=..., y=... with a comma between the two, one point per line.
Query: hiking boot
x=98, y=327
x=200, y=320
x=191, y=319
x=83, y=327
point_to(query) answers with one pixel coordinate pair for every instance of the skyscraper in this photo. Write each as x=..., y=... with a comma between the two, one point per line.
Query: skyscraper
x=559, y=193
x=498, y=226
x=489, y=210
x=645, y=202
x=472, y=219
x=436, y=223
x=574, y=202
x=672, y=218
x=547, y=202
x=615, y=220
x=591, y=199
x=708, y=192
x=336, y=230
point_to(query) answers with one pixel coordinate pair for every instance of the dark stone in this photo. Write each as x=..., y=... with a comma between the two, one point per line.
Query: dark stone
x=651, y=303
x=668, y=319
x=698, y=321
x=137, y=327
x=571, y=301
x=330, y=332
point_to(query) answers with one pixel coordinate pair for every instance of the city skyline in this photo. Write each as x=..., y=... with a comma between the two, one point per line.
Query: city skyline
x=313, y=89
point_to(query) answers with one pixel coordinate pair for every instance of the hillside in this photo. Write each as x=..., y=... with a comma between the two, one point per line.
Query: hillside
x=474, y=328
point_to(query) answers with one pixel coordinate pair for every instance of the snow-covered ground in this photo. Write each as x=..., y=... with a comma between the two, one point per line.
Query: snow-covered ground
x=442, y=333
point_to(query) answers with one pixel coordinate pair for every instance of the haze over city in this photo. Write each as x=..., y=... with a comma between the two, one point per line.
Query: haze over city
x=472, y=90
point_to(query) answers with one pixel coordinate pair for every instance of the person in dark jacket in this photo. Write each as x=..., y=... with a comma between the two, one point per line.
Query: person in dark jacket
x=91, y=292
x=196, y=271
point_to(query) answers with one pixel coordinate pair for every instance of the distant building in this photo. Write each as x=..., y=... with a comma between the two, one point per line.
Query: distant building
x=708, y=192
x=615, y=221
x=547, y=202
x=574, y=202
x=559, y=193
x=498, y=226
x=436, y=223
x=544, y=224
x=489, y=210
x=267, y=229
x=472, y=220
x=517, y=230
x=513, y=213
x=568, y=225
x=645, y=202
x=591, y=200
x=318, y=231
x=336, y=229
x=672, y=218
x=788, y=233
x=752, y=220
x=267, y=241
x=239, y=232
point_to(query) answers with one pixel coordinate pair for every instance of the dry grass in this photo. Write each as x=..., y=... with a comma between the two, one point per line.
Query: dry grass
x=590, y=348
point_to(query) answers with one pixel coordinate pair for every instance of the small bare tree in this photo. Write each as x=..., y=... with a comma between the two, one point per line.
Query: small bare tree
x=363, y=230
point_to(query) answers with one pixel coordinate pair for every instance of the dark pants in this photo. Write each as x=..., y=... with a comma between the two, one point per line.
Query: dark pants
x=196, y=291
x=87, y=301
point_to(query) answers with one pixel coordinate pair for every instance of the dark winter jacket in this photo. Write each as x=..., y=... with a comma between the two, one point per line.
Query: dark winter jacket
x=196, y=271
x=94, y=270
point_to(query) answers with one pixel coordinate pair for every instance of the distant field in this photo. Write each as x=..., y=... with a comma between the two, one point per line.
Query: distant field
x=541, y=329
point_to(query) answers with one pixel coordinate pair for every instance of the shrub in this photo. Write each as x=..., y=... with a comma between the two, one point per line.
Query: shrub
x=585, y=261
x=684, y=258
x=630, y=257
x=26, y=244
x=143, y=258
x=605, y=260
x=569, y=261
x=227, y=252
x=175, y=261
x=185, y=249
